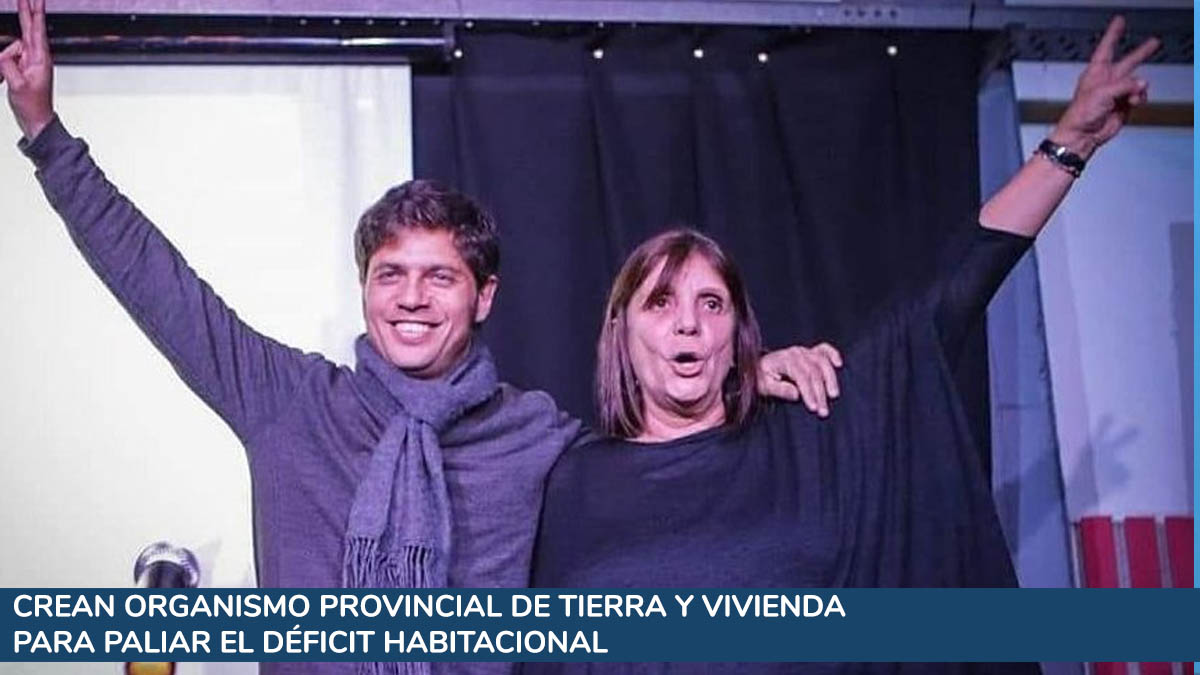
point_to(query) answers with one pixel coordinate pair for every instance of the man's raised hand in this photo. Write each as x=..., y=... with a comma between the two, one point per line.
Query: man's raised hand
x=26, y=68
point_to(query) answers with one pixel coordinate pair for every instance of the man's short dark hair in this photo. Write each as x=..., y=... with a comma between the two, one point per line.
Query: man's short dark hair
x=430, y=205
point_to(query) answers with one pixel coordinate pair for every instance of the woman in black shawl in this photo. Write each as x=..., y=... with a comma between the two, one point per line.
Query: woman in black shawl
x=700, y=485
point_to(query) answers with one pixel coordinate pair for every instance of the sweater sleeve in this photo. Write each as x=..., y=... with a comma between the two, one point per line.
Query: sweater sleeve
x=978, y=263
x=245, y=377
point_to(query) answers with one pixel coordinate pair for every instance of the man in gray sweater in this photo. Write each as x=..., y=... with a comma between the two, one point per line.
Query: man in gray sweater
x=416, y=468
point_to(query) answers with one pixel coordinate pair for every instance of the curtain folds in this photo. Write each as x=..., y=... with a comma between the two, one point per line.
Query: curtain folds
x=831, y=164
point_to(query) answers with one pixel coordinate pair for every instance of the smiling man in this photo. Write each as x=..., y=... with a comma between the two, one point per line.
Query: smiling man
x=416, y=468
x=421, y=296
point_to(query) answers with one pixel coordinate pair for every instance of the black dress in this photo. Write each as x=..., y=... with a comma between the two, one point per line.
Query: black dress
x=886, y=492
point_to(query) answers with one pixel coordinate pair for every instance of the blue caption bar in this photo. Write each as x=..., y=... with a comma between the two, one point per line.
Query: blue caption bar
x=600, y=625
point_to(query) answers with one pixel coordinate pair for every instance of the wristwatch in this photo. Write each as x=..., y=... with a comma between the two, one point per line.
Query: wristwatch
x=1062, y=157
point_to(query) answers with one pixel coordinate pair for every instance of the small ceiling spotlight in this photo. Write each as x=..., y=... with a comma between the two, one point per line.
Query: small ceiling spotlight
x=698, y=53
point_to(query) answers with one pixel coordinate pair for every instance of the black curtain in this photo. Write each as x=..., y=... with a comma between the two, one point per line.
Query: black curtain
x=832, y=164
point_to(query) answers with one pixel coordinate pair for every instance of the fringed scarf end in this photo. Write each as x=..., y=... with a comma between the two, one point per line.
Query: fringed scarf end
x=393, y=668
x=365, y=566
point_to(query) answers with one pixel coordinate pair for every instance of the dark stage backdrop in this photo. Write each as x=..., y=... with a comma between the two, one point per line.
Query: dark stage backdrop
x=833, y=172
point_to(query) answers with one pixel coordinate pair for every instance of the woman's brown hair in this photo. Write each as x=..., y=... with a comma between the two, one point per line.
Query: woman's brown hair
x=617, y=392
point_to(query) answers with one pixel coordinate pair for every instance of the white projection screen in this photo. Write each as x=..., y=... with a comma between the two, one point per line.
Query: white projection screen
x=257, y=174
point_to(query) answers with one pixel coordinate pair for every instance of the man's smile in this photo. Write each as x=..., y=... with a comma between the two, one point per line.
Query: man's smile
x=409, y=330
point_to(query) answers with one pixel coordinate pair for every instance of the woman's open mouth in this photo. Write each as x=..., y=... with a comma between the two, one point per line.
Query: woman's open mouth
x=687, y=364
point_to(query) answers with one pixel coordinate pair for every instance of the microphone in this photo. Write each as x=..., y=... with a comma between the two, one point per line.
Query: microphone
x=162, y=565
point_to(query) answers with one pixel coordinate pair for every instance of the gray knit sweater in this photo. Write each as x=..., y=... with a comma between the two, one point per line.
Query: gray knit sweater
x=306, y=426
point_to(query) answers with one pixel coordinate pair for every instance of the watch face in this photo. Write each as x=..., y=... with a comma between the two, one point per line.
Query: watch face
x=1062, y=157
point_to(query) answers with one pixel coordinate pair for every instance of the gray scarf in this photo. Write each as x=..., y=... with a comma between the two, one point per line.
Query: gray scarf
x=398, y=535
